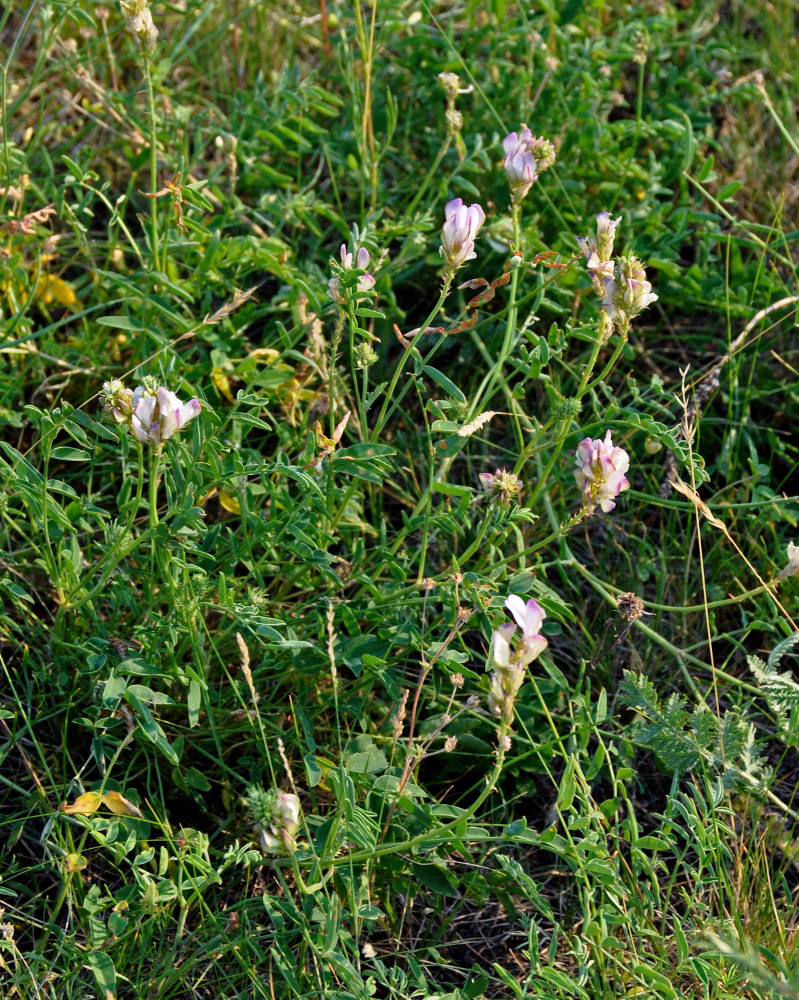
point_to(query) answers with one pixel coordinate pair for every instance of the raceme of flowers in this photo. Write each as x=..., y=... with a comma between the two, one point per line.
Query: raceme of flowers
x=140, y=22
x=621, y=284
x=461, y=226
x=153, y=412
x=276, y=817
x=525, y=158
x=512, y=653
x=600, y=472
x=499, y=488
x=365, y=282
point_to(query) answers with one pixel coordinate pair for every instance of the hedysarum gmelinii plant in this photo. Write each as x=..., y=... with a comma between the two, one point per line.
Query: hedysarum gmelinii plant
x=511, y=655
x=525, y=158
x=600, y=472
x=365, y=281
x=461, y=226
x=621, y=284
x=153, y=412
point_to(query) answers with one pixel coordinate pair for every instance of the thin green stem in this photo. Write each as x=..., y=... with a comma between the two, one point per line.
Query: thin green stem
x=431, y=173
x=153, y=164
x=611, y=363
x=155, y=470
x=478, y=541
x=399, y=846
x=385, y=412
x=491, y=379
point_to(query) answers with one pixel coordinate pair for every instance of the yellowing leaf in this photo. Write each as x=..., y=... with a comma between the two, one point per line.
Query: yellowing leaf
x=76, y=862
x=268, y=354
x=222, y=383
x=84, y=805
x=88, y=804
x=229, y=502
x=120, y=806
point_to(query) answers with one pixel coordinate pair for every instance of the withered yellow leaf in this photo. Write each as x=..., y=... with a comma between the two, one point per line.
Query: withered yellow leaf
x=222, y=383
x=120, y=806
x=229, y=502
x=84, y=805
x=88, y=804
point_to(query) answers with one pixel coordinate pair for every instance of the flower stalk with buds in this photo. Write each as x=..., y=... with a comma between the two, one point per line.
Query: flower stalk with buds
x=338, y=288
x=452, y=88
x=460, y=229
x=154, y=413
x=620, y=283
x=276, y=817
x=499, y=488
x=525, y=158
x=512, y=653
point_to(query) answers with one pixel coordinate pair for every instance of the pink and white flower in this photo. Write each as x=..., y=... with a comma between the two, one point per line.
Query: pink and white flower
x=365, y=281
x=460, y=229
x=600, y=472
x=525, y=158
x=511, y=658
x=159, y=415
x=792, y=569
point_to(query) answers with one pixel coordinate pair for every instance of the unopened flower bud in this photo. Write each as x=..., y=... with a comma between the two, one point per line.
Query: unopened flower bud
x=365, y=282
x=117, y=400
x=276, y=817
x=140, y=22
x=364, y=355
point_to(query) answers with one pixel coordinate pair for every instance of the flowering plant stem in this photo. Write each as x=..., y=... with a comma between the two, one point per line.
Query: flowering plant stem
x=495, y=375
x=478, y=541
x=385, y=411
x=611, y=363
x=155, y=472
x=431, y=173
x=585, y=384
x=331, y=366
x=153, y=163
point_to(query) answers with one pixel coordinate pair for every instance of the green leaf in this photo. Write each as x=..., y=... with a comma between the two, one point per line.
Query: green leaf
x=452, y=490
x=193, y=701
x=120, y=323
x=313, y=771
x=362, y=757
x=651, y=844
x=66, y=454
x=555, y=673
x=105, y=974
x=568, y=786
x=446, y=384
x=435, y=877
x=196, y=779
